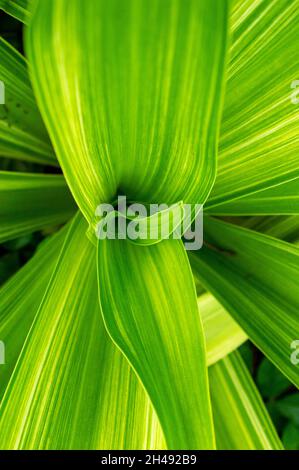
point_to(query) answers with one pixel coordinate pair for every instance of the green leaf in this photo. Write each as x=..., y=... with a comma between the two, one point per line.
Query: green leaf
x=149, y=307
x=20, y=298
x=255, y=277
x=137, y=95
x=19, y=311
x=280, y=199
x=247, y=353
x=290, y=437
x=284, y=227
x=240, y=417
x=22, y=132
x=289, y=407
x=29, y=202
x=71, y=387
x=9, y=264
x=258, y=156
x=222, y=333
x=270, y=381
x=16, y=8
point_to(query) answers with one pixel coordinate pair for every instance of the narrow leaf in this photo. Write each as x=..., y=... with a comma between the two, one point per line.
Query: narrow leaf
x=29, y=202
x=280, y=199
x=16, y=8
x=71, y=387
x=20, y=298
x=22, y=132
x=255, y=277
x=240, y=416
x=223, y=335
x=259, y=134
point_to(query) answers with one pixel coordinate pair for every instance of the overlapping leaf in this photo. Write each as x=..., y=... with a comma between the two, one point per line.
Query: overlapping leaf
x=279, y=199
x=22, y=132
x=284, y=227
x=223, y=335
x=255, y=277
x=137, y=95
x=17, y=8
x=157, y=326
x=71, y=388
x=240, y=416
x=29, y=202
x=20, y=298
x=259, y=144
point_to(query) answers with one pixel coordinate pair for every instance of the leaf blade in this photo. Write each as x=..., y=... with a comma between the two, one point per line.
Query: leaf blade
x=153, y=107
x=240, y=416
x=22, y=132
x=161, y=351
x=251, y=272
x=56, y=397
x=259, y=140
x=30, y=202
x=16, y=8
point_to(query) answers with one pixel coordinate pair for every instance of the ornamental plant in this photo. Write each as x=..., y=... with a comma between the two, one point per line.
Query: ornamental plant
x=115, y=344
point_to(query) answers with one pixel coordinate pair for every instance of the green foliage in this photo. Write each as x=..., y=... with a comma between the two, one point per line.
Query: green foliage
x=115, y=345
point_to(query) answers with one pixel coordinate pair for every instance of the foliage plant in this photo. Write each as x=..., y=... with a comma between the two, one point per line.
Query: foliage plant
x=111, y=344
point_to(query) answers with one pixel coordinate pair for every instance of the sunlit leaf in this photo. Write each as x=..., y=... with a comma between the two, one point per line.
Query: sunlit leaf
x=137, y=95
x=149, y=307
x=259, y=135
x=240, y=417
x=20, y=298
x=222, y=333
x=255, y=277
x=71, y=387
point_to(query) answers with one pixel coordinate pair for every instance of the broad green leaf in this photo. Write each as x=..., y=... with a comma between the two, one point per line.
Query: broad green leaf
x=255, y=278
x=132, y=103
x=16, y=8
x=29, y=202
x=289, y=407
x=20, y=298
x=71, y=387
x=148, y=302
x=222, y=333
x=290, y=437
x=22, y=132
x=259, y=142
x=240, y=416
x=269, y=380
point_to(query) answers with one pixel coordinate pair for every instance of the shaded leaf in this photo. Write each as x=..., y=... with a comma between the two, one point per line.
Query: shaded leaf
x=22, y=132
x=290, y=437
x=16, y=8
x=289, y=407
x=270, y=381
